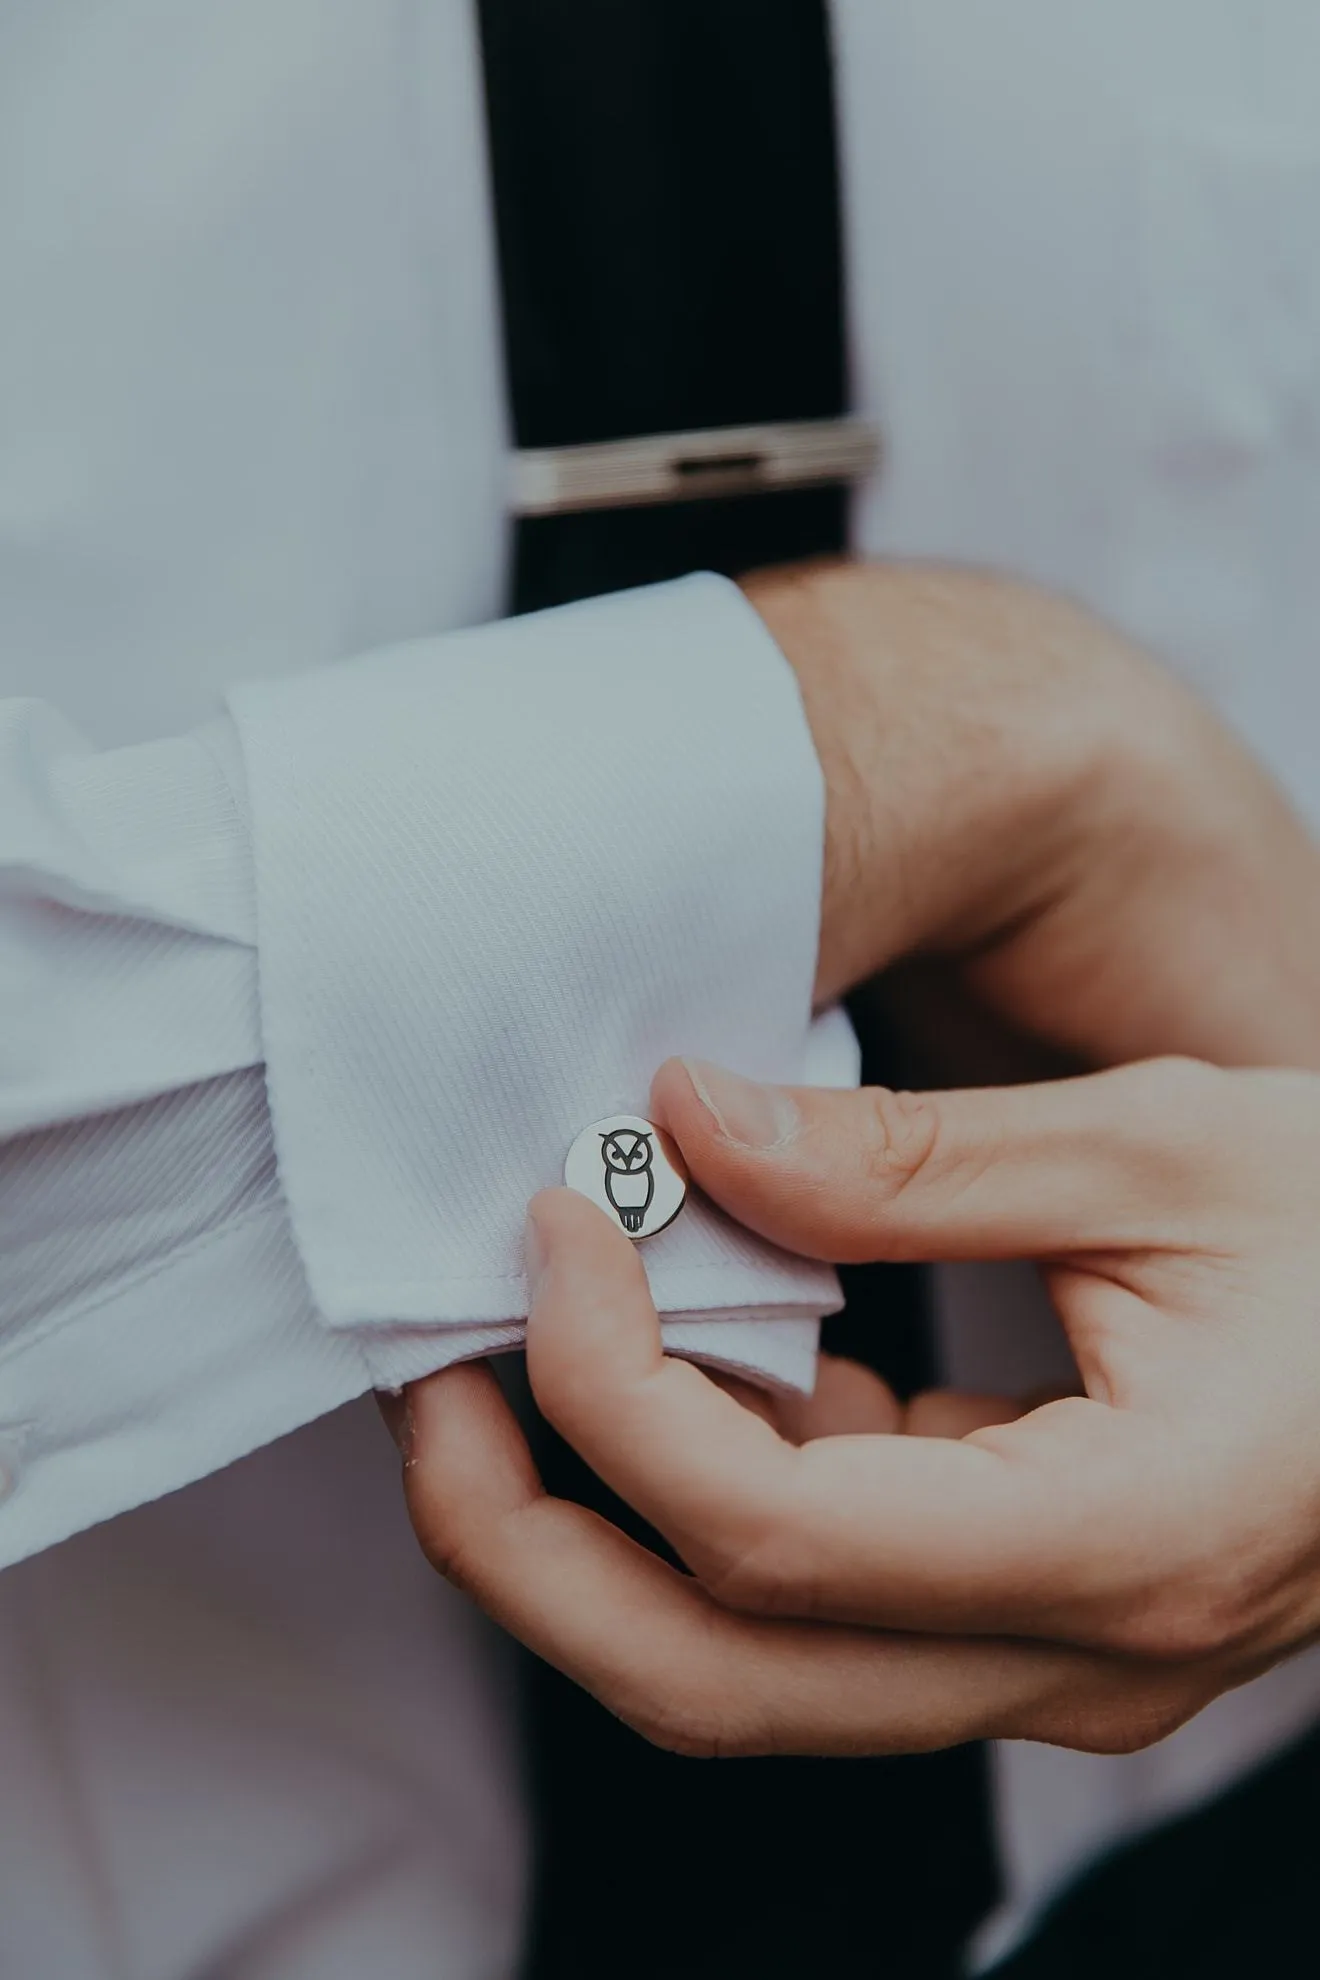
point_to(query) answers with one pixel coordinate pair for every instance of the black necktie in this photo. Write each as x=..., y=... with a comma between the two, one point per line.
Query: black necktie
x=666, y=194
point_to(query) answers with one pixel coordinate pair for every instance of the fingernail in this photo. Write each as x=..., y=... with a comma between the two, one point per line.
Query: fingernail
x=533, y=1255
x=395, y=1406
x=744, y=1111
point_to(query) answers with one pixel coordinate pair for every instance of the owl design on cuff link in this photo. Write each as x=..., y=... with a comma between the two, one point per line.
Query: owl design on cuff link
x=629, y=1167
x=629, y=1176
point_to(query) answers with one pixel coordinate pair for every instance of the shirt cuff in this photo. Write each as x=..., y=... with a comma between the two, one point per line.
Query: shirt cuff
x=500, y=877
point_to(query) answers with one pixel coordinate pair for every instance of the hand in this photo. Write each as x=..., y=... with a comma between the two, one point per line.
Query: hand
x=1067, y=836
x=1089, y=1574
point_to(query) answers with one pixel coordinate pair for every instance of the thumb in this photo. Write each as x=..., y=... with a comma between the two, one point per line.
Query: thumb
x=1117, y=1161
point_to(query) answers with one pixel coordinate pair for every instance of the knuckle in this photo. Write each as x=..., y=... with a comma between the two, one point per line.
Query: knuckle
x=455, y=1544
x=768, y=1576
x=448, y=1554
x=1131, y=1725
x=691, y=1723
x=1127, y=1711
x=1181, y=1100
x=750, y=1583
x=1200, y=1138
x=565, y=1390
x=902, y=1139
x=693, y=1705
x=1191, y=1624
x=1176, y=1074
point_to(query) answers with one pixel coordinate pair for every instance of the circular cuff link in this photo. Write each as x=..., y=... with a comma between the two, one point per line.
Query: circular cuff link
x=631, y=1169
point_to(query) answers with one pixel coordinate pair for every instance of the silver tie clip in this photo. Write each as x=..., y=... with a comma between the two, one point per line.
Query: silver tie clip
x=684, y=467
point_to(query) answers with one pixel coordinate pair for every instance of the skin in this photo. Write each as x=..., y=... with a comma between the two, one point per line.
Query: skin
x=1058, y=838
x=1073, y=864
x=1089, y=1572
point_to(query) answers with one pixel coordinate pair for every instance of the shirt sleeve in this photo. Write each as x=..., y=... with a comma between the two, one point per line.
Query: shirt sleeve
x=300, y=1009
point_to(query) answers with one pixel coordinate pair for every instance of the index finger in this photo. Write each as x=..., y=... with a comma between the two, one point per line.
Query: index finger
x=1130, y=1159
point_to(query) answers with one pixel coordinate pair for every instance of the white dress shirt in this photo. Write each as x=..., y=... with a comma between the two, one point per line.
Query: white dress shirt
x=252, y=425
x=458, y=900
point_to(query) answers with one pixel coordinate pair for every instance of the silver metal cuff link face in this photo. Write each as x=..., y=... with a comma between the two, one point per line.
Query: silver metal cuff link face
x=632, y=1170
x=684, y=467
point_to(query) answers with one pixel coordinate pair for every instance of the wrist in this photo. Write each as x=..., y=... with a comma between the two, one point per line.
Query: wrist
x=968, y=749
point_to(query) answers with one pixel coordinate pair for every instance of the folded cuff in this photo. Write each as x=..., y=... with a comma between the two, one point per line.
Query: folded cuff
x=500, y=877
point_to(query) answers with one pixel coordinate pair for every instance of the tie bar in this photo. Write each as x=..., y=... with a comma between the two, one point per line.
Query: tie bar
x=686, y=467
